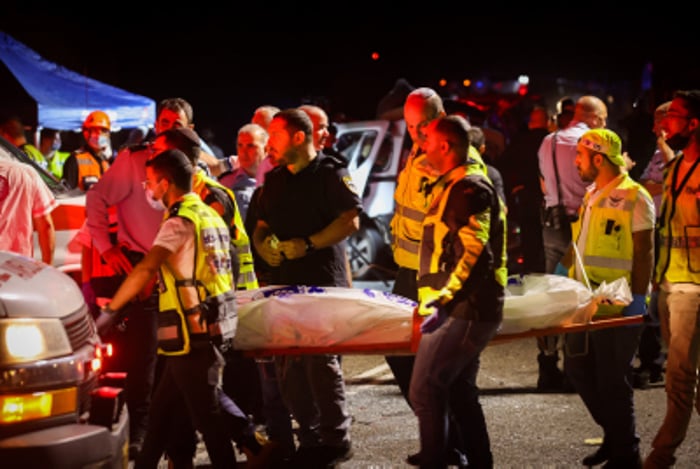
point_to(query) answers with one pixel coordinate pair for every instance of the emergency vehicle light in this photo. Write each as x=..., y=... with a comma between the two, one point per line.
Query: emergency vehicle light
x=17, y=408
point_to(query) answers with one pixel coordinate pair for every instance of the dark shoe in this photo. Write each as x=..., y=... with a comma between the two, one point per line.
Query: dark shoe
x=599, y=457
x=320, y=457
x=329, y=456
x=454, y=458
x=640, y=378
x=632, y=462
x=656, y=376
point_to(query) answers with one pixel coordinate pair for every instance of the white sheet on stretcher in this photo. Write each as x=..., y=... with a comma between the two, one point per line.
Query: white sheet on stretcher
x=301, y=316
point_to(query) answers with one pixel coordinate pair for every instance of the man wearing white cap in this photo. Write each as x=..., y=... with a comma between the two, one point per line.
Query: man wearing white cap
x=614, y=235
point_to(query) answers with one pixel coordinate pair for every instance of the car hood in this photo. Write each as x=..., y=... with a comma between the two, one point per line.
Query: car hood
x=30, y=288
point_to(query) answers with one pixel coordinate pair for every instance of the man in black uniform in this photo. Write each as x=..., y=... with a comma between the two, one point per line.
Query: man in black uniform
x=307, y=207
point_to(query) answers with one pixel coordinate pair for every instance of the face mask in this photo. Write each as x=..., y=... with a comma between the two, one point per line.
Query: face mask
x=99, y=141
x=55, y=146
x=156, y=204
x=678, y=142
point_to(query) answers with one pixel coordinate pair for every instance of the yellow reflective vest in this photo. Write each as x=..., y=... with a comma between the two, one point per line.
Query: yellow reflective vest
x=609, y=248
x=247, y=279
x=678, y=227
x=214, y=318
x=465, y=251
x=415, y=191
x=55, y=164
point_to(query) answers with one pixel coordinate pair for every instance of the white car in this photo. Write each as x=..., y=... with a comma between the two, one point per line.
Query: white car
x=68, y=217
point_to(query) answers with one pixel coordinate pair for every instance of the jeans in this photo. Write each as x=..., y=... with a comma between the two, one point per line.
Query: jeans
x=679, y=316
x=314, y=390
x=599, y=365
x=445, y=374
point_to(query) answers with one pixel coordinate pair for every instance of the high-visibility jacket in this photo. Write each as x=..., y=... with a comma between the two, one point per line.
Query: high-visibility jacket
x=55, y=164
x=34, y=154
x=90, y=169
x=415, y=190
x=214, y=318
x=609, y=248
x=465, y=250
x=678, y=226
x=202, y=185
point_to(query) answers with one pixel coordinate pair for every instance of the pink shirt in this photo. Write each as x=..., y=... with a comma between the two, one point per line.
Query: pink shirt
x=23, y=196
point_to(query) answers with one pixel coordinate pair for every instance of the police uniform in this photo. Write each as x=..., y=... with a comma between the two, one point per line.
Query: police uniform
x=297, y=206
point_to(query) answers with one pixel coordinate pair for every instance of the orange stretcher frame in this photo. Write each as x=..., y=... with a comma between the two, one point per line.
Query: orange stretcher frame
x=409, y=347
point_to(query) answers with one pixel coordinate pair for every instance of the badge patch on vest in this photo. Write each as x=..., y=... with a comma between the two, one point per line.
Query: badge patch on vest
x=349, y=184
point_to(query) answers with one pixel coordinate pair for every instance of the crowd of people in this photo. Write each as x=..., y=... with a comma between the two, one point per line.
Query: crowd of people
x=173, y=231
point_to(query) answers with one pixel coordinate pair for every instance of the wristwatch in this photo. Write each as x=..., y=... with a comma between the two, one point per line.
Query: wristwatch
x=107, y=310
x=309, y=245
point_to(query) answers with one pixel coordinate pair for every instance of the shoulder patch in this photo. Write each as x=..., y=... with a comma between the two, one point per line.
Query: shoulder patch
x=347, y=179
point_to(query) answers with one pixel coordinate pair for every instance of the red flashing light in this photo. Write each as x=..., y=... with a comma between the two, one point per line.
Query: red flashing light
x=375, y=55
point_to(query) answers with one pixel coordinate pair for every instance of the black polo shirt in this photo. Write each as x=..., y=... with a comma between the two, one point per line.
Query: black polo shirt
x=302, y=204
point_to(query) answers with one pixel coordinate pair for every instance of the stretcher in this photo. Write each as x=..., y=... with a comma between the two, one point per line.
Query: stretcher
x=297, y=319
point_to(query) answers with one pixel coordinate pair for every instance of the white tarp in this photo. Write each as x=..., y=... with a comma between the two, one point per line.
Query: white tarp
x=299, y=316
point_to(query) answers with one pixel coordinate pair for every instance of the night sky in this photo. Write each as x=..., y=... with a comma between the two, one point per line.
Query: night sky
x=226, y=67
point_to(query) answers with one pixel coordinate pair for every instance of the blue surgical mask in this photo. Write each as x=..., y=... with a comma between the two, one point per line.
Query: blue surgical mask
x=55, y=146
x=99, y=141
x=156, y=204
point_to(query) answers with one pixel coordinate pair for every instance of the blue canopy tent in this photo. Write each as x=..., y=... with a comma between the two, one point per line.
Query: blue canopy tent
x=64, y=98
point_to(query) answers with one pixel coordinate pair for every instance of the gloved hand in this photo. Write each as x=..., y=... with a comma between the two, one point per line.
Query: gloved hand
x=637, y=307
x=430, y=298
x=435, y=320
x=561, y=270
x=106, y=320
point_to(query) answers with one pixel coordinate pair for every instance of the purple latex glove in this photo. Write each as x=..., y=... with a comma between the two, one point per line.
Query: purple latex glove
x=435, y=320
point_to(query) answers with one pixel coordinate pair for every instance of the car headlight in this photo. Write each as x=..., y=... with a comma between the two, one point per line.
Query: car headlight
x=26, y=339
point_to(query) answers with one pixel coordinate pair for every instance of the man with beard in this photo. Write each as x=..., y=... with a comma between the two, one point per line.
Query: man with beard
x=677, y=275
x=614, y=234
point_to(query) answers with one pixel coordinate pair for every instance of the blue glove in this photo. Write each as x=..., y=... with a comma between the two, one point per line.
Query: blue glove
x=435, y=320
x=561, y=270
x=638, y=307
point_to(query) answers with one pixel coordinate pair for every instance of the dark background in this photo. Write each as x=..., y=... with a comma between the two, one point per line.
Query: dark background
x=228, y=60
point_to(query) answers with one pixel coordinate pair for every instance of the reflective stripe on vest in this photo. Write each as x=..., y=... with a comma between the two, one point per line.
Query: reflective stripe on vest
x=212, y=278
x=609, y=249
x=247, y=280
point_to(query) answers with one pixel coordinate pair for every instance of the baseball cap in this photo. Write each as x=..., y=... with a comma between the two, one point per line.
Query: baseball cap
x=604, y=141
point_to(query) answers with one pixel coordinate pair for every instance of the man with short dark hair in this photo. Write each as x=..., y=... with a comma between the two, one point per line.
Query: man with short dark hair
x=614, y=237
x=461, y=287
x=307, y=207
x=197, y=317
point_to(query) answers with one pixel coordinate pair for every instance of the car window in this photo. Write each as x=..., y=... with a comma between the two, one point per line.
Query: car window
x=10, y=152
